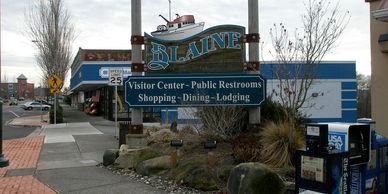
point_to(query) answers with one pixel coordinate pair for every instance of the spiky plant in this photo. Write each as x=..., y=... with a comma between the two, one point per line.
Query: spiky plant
x=277, y=150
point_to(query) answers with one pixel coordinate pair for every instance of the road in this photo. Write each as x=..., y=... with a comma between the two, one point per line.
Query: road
x=9, y=113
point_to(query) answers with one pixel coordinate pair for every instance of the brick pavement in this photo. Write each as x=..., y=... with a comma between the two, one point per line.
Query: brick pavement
x=22, y=153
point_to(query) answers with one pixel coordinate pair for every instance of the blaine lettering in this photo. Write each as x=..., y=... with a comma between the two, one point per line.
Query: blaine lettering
x=162, y=56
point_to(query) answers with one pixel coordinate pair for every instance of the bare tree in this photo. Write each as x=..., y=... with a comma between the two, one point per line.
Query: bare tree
x=222, y=122
x=299, y=55
x=52, y=32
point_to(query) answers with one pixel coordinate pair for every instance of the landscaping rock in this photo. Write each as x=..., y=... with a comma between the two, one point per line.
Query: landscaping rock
x=110, y=156
x=127, y=157
x=254, y=178
x=135, y=141
x=202, y=178
x=154, y=165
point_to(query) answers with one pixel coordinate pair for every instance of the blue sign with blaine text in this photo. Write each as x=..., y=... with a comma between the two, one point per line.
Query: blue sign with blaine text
x=191, y=90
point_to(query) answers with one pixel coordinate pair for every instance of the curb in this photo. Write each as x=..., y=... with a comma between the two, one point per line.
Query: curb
x=36, y=132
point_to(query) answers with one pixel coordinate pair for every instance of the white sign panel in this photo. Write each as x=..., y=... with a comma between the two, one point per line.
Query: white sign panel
x=115, y=77
x=104, y=71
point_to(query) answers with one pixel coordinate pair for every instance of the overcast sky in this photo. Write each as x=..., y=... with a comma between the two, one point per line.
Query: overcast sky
x=106, y=24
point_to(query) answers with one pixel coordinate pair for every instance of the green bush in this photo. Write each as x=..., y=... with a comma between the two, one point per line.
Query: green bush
x=223, y=172
x=67, y=100
x=59, y=115
x=273, y=111
x=146, y=154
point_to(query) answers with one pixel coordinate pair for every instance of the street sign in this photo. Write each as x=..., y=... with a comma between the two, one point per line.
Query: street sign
x=55, y=81
x=55, y=90
x=115, y=77
x=201, y=90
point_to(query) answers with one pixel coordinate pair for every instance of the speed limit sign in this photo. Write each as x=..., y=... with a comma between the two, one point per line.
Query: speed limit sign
x=115, y=77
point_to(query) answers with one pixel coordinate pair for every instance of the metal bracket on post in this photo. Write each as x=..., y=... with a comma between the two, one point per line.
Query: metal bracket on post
x=135, y=129
x=253, y=37
x=137, y=67
x=252, y=66
x=135, y=39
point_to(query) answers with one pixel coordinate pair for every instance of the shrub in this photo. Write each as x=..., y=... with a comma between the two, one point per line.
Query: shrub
x=223, y=172
x=222, y=122
x=273, y=111
x=246, y=148
x=180, y=172
x=67, y=100
x=59, y=115
x=146, y=154
x=278, y=146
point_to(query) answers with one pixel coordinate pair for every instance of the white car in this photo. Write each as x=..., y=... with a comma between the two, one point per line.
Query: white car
x=35, y=105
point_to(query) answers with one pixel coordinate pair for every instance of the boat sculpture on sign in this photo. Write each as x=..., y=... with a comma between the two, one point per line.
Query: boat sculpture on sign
x=180, y=28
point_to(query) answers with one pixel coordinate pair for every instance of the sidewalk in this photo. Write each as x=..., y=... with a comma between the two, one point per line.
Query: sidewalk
x=63, y=158
x=34, y=121
x=23, y=157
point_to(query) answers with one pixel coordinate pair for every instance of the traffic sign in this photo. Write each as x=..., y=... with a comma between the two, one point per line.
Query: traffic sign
x=54, y=81
x=54, y=90
x=115, y=77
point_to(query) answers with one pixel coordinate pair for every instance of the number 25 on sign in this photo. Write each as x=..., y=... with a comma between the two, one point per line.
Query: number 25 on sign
x=115, y=77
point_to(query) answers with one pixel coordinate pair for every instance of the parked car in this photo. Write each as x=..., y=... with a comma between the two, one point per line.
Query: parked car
x=13, y=101
x=44, y=102
x=35, y=105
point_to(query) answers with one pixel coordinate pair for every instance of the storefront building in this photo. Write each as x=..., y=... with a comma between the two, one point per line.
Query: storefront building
x=89, y=81
x=331, y=98
x=333, y=94
x=379, y=63
x=20, y=90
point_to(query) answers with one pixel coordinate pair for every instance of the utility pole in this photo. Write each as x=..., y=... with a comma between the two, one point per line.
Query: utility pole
x=3, y=162
x=137, y=67
x=253, y=31
x=1, y=93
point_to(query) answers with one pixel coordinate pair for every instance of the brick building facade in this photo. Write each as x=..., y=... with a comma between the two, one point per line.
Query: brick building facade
x=19, y=89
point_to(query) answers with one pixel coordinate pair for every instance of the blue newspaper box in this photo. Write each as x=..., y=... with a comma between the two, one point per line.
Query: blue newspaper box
x=354, y=138
x=320, y=169
x=324, y=173
x=374, y=179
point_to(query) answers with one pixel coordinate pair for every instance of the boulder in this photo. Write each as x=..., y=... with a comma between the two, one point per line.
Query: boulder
x=202, y=178
x=110, y=156
x=254, y=178
x=127, y=157
x=154, y=165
